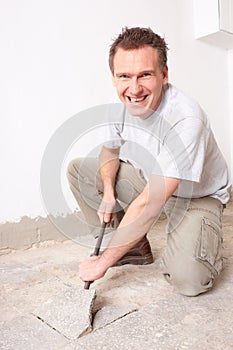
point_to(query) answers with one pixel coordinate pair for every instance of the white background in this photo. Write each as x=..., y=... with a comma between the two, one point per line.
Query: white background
x=54, y=64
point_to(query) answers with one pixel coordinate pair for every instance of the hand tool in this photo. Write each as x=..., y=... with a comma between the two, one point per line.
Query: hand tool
x=96, y=250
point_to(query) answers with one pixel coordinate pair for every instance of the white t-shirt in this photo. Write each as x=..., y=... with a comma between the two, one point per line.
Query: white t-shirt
x=175, y=141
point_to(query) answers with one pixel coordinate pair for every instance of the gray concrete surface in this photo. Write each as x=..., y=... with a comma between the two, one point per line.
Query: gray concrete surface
x=138, y=309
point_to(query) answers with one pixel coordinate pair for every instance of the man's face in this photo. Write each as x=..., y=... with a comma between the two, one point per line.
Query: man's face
x=139, y=80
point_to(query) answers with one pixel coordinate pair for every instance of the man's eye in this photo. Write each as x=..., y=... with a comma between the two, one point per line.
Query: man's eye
x=146, y=75
x=123, y=77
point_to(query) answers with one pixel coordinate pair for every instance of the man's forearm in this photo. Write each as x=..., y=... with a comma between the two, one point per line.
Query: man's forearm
x=109, y=165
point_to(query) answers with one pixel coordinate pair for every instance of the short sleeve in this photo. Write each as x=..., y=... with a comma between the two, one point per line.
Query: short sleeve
x=182, y=153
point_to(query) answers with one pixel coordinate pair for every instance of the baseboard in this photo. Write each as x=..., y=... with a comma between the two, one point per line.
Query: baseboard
x=34, y=232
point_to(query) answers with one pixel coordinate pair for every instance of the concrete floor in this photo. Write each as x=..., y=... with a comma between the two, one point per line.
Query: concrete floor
x=139, y=310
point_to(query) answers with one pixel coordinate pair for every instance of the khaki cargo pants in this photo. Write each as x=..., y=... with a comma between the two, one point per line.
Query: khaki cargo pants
x=192, y=258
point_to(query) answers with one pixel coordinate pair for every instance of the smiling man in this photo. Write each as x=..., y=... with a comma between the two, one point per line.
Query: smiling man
x=173, y=164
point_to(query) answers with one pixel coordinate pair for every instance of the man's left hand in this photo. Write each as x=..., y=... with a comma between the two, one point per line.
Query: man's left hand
x=92, y=269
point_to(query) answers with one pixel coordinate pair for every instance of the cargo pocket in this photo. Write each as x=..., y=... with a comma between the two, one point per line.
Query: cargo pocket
x=209, y=246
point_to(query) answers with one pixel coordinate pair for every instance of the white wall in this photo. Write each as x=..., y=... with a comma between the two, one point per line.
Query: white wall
x=53, y=64
x=230, y=121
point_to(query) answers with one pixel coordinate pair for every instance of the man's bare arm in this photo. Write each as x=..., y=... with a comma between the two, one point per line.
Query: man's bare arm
x=109, y=165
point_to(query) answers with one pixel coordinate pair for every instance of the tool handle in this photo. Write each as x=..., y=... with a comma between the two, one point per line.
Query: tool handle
x=99, y=240
x=87, y=284
x=97, y=250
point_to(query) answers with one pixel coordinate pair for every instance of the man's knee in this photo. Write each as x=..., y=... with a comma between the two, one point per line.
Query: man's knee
x=78, y=172
x=83, y=175
x=190, y=278
x=73, y=168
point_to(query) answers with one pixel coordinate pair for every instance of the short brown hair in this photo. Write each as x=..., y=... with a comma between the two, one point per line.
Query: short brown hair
x=135, y=38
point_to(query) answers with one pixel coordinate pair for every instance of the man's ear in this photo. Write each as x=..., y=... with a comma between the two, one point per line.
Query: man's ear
x=165, y=75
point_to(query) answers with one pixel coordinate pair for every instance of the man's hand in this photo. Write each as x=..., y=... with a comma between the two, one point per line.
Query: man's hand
x=106, y=210
x=92, y=269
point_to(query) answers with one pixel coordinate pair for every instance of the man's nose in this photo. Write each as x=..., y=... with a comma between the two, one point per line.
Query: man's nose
x=135, y=87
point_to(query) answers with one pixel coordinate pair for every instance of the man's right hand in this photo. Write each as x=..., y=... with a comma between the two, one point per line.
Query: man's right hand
x=106, y=210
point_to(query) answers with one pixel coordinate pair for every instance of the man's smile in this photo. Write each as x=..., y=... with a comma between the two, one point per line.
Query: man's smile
x=136, y=100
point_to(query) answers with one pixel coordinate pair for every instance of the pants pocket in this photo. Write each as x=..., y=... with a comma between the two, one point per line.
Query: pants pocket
x=209, y=246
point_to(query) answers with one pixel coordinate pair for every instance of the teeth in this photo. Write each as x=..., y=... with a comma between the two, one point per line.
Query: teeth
x=137, y=99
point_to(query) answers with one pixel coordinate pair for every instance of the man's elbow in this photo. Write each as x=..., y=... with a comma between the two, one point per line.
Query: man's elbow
x=149, y=209
x=153, y=208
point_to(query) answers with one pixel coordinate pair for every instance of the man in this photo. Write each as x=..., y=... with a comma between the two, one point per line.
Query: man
x=182, y=172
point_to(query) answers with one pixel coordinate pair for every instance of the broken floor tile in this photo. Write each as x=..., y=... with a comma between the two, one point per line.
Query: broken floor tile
x=109, y=314
x=69, y=312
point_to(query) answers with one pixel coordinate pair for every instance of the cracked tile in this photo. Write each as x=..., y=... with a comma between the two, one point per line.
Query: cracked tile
x=69, y=312
x=109, y=314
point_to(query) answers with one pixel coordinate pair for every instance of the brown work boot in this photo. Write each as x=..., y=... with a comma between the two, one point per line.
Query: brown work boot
x=140, y=254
